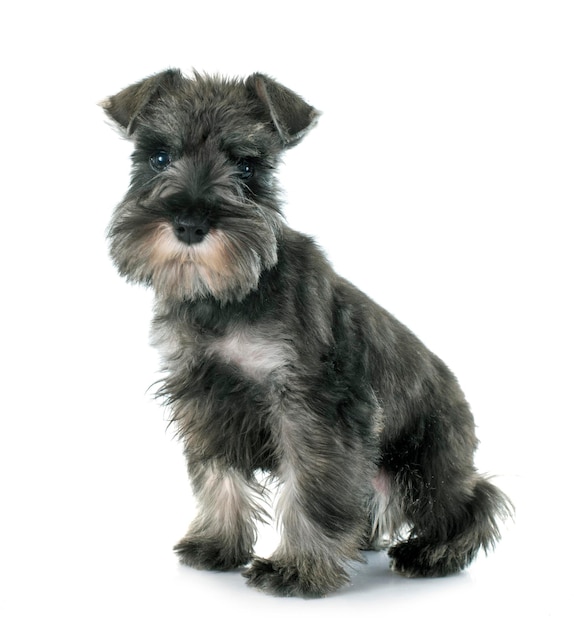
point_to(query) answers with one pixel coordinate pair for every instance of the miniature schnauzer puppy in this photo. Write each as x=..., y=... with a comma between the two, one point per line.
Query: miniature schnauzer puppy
x=275, y=364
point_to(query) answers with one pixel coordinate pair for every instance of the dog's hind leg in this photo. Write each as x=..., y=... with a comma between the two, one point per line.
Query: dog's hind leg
x=450, y=543
x=453, y=512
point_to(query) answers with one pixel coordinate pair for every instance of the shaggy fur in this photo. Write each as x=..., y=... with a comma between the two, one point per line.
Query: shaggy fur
x=273, y=362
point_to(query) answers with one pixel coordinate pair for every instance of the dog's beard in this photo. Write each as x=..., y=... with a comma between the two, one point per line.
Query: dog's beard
x=226, y=265
x=219, y=266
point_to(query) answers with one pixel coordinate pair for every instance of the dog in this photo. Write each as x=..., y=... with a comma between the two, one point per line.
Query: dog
x=275, y=365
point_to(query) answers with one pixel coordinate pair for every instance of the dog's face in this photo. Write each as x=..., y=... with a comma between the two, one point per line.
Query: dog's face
x=202, y=215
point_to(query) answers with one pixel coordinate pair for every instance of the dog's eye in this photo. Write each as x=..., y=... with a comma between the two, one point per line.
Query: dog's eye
x=160, y=160
x=245, y=169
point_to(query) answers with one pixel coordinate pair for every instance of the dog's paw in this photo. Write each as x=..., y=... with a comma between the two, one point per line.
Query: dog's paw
x=416, y=558
x=287, y=579
x=208, y=553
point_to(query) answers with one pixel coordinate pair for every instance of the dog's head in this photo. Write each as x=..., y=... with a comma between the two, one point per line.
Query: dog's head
x=202, y=214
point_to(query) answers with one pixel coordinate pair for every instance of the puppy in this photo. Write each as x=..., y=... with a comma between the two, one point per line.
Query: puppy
x=275, y=363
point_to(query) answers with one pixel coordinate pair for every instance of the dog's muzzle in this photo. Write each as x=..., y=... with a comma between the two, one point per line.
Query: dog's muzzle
x=189, y=229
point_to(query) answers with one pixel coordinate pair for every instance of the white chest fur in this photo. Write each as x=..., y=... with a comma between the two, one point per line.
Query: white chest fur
x=252, y=350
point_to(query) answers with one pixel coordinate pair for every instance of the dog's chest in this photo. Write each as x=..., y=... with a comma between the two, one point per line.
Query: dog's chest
x=256, y=352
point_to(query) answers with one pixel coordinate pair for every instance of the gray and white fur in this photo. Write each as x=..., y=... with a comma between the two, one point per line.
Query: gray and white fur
x=275, y=363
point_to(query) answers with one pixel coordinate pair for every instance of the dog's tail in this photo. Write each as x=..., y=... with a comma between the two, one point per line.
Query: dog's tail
x=479, y=527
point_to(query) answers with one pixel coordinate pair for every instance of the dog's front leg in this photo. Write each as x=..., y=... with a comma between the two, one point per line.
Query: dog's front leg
x=322, y=512
x=222, y=535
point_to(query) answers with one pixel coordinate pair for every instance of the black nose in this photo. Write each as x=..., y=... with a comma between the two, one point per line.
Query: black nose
x=189, y=229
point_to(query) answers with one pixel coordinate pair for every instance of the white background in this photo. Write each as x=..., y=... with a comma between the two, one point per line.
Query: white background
x=439, y=180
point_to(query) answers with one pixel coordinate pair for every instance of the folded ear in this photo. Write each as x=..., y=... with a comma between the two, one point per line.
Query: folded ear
x=126, y=106
x=290, y=114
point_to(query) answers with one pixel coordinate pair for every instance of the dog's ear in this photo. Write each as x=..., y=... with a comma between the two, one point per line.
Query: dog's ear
x=290, y=114
x=126, y=106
